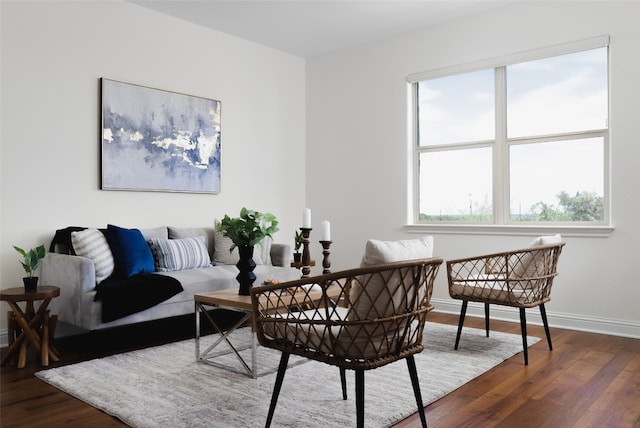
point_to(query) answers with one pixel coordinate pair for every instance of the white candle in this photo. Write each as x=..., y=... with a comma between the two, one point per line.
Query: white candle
x=306, y=218
x=325, y=229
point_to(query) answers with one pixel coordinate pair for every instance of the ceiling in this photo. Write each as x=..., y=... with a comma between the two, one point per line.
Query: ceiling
x=309, y=28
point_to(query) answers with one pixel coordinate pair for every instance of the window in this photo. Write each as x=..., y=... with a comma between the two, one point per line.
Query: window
x=523, y=140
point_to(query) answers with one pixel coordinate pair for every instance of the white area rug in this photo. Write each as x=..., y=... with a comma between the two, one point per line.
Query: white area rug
x=165, y=387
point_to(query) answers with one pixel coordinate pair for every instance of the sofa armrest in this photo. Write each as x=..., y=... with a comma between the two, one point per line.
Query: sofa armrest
x=280, y=254
x=75, y=276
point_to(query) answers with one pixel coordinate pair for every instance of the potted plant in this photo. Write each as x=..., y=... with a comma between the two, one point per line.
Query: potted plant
x=245, y=232
x=297, y=255
x=31, y=261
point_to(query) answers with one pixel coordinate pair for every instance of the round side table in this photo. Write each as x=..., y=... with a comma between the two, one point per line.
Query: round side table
x=29, y=327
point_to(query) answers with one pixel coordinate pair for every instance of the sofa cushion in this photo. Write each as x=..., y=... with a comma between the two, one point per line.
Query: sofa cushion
x=92, y=244
x=156, y=232
x=131, y=253
x=179, y=254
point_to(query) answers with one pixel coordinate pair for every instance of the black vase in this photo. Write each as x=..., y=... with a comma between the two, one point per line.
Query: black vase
x=30, y=283
x=245, y=265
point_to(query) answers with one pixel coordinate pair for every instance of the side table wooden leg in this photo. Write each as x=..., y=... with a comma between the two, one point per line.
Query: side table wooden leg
x=53, y=321
x=22, y=357
x=44, y=350
x=53, y=352
x=11, y=331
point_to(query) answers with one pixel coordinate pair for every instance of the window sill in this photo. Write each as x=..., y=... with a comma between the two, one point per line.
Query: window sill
x=512, y=230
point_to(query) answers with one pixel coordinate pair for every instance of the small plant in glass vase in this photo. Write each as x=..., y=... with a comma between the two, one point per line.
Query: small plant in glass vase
x=31, y=261
x=297, y=255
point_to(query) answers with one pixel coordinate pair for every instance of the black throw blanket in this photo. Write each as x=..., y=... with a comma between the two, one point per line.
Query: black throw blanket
x=125, y=296
x=61, y=242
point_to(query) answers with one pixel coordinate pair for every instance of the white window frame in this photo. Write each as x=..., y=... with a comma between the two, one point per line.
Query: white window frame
x=501, y=224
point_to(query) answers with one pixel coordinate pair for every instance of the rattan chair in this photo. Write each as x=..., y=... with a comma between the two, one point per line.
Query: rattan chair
x=519, y=278
x=357, y=319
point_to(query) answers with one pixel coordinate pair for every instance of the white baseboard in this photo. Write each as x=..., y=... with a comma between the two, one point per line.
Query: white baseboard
x=612, y=327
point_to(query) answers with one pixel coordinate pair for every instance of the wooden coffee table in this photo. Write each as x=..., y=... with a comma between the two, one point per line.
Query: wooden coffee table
x=29, y=327
x=231, y=300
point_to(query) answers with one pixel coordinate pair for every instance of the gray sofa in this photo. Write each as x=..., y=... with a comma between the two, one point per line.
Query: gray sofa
x=76, y=277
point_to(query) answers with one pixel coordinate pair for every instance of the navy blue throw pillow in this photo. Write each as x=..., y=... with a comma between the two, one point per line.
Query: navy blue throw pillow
x=131, y=253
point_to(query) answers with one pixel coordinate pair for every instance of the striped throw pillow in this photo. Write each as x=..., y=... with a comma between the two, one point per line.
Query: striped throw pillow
x=179, y=254
x=92, y=244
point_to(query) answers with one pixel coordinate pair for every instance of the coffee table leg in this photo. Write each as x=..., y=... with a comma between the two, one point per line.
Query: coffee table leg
x=207, y=356
x=198, y=308
x=254, y=359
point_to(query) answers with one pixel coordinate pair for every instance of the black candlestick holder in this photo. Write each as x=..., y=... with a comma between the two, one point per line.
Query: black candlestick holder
x=306, y=255
x=326, y=262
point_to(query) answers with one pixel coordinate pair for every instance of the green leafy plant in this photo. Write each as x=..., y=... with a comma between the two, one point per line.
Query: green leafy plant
x=32, y=258
x=249, y=228
x=298, y=241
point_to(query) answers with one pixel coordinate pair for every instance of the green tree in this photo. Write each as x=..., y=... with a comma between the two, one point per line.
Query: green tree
x=545, y=212
x=584, y=206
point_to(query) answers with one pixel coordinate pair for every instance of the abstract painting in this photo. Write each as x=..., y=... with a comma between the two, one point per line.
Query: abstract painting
x=158, y=140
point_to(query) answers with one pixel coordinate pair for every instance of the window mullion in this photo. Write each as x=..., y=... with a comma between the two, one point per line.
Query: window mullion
x=414, y=205
x=500, y=151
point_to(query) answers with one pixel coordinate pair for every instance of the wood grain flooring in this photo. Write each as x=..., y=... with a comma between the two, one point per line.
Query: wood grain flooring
x=588, y=380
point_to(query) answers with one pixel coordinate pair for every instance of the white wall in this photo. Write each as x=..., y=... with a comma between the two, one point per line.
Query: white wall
x=53, y=55
x=354, y=104
x=357, y=148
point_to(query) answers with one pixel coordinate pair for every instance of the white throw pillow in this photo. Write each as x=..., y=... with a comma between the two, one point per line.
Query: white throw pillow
x=394, y=251
x=530, y=262
x=92, y=244
x=546, y=240
x=263, y=250
x=374, y=301
x=179, y=254
x=221, y=254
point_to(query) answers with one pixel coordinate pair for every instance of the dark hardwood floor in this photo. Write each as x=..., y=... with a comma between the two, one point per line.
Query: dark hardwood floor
x=588, y=380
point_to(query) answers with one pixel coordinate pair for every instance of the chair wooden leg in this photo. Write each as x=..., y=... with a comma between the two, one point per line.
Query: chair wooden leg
x=343, y=382
x=523, y=327
x=486, y=319
x=463, y=312
x=543, y=314
x=413, y=373
x=360, y=398
x=282, y=368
